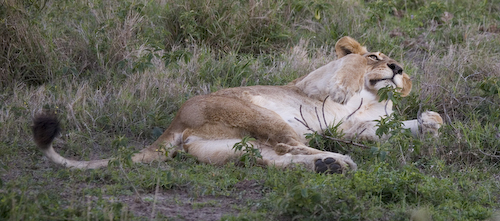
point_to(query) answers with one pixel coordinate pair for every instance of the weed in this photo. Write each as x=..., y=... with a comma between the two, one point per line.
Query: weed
x=490, y=86
x=250, y=154
x=319, y=140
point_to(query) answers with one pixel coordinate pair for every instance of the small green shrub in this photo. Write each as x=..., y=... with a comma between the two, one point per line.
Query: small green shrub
x=371, y=193
x=250, y=154
x=490, y=86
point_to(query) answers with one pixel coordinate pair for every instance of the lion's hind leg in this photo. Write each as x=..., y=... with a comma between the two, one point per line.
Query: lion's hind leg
x=221, y=151
x=216, y=152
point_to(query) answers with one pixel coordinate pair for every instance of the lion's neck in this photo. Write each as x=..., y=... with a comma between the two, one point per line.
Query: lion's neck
x=365, y=106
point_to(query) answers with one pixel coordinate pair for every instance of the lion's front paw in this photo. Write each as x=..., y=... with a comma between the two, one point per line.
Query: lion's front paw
x=340, y=94
x=430, y=123
x=343, y=93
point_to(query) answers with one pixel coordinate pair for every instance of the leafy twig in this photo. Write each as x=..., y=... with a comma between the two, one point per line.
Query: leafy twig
x=304, y=122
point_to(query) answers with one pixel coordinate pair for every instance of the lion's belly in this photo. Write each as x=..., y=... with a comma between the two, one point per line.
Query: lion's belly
x=296, y=112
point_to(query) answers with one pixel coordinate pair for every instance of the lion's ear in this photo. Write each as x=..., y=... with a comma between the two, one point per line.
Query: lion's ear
x=347, y=45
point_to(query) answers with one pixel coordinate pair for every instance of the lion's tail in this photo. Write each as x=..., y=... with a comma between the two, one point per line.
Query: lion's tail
x=46, y=128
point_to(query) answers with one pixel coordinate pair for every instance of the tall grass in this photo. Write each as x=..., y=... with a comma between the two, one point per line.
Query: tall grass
x=117, y=71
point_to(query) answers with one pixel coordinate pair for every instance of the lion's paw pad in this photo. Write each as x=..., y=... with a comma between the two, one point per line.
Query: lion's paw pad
x=328, y=165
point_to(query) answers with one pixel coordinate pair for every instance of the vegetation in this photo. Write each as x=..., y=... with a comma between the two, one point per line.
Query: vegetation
x=117, y=72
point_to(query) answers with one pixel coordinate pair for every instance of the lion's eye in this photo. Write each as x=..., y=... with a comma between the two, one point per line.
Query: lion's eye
x=374, y=57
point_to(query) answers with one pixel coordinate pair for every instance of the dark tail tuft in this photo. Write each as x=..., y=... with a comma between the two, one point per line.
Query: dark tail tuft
x=45, y=129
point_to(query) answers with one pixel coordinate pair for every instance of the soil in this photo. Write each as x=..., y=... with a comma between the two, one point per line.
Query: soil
x=180, y=205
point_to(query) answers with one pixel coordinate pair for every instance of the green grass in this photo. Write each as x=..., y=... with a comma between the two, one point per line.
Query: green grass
x=117, y=72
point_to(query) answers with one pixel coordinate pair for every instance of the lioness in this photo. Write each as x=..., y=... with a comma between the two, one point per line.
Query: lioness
x=208, y=126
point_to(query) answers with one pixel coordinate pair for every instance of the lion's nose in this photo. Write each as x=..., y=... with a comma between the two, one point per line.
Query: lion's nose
x=396, y=69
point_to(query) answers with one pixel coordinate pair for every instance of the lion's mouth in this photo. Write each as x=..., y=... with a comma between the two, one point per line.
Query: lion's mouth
x=375, y=81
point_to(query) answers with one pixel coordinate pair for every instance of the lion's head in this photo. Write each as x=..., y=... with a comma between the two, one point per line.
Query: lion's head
x=382, y=70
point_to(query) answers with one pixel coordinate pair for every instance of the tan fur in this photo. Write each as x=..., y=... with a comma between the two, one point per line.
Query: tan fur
x=208, y=126
x=348, y=45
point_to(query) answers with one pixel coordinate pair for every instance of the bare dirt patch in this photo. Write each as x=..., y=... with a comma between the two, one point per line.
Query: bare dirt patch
x=180, y=205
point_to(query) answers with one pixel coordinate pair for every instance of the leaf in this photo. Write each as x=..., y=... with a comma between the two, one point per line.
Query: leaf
x=317, y=14
x=303, y=192
x=383, y=155
x=156, y=133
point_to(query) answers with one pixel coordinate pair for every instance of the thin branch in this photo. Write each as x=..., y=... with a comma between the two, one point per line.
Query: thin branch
x=323, y=111
x=402, y=155
x=419, y=113
x=357, y=135
x=319, y=121
x=360, y=104
x=345, y=141
x=419, y=119
x=385, y=108
x=302, y=116
x=487, y=154
x=448, y=117
x=304, y=122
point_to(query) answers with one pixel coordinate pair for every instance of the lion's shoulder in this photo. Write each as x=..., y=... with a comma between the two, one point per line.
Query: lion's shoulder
x=339, y=80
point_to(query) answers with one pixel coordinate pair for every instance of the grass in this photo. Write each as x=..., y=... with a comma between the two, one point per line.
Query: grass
x=117, y=72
